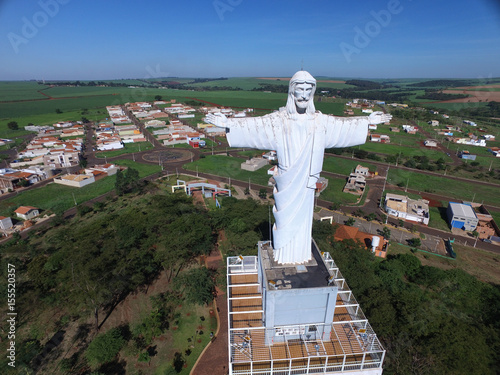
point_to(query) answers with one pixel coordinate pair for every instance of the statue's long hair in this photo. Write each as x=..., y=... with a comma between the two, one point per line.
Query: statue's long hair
x=300, y=77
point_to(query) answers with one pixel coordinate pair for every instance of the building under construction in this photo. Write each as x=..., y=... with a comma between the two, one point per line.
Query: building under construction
x=299, y=319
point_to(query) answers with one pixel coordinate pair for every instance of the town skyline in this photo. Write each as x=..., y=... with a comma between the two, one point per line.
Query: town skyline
x=68, y=40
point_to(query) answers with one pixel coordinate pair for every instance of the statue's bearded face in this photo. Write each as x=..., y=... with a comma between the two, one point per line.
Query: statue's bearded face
x=302, y=94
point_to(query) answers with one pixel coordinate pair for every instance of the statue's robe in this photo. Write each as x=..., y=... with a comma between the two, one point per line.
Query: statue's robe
x=299, y=144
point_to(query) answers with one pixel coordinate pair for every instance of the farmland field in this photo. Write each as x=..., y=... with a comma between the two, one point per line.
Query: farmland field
x=20, y=91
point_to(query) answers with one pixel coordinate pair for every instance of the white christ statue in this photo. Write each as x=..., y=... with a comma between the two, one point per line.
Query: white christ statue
x=299, y=134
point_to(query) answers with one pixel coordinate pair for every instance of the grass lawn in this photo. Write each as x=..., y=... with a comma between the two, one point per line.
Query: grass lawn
x=185, y=335
x=59, y=198
x=445, y=186
x=253, y=153
x=144, y=169
x=395, y=149
x=344, y=166
x=127, y=149
x=438, y=219
x=226, y=166
x=334, y=193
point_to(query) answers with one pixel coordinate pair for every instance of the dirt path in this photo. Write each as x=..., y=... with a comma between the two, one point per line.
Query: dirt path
x=214, y=360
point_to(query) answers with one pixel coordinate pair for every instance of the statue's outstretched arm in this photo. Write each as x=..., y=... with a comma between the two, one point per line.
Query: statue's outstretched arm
x=218, y=119
x=379, y=118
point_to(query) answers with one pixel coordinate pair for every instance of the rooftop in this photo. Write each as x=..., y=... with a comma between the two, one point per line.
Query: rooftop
x=311, y=274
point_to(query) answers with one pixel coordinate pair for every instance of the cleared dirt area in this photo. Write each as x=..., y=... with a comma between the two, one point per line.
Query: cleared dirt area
x=475, y=95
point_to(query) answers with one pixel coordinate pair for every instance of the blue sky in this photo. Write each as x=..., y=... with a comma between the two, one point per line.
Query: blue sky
x=90, y=39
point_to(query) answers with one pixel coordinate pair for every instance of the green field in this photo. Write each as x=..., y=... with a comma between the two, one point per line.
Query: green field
x=249, y=83
x=56, y=198
x=393, y=149
x=59, y=198
x=344, y=166
x=21, y=90
x=334, y=193
x=447, y=187
x=226, y=166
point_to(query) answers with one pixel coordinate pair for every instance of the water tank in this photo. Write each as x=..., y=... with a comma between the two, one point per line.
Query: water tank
x=375, y=242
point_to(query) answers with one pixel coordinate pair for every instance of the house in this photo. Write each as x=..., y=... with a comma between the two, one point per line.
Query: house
x=75, y=180
x=433, y=122
x=489, y=137
x=403, y=207
x=356, y=183
x=5, y=223
x=321, y=185
x=382, y=138
x=394, y=129
x=470, y=123
x=271, y=155
x=254, y=164
x=27, y=212
x=372, y=126
x=410, y=129
x=461, y=216
x=377, y=244
x=466, y=155
x=430, y=143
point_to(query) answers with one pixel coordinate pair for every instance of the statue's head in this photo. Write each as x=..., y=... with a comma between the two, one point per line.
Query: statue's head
x=301, y=94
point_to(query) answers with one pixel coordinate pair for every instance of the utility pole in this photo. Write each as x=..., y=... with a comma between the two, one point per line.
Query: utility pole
x=407, y=182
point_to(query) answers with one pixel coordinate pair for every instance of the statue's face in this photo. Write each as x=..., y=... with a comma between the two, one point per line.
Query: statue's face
x=302, y=94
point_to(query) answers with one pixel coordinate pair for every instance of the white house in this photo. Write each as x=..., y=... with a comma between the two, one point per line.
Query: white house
x=402, y=207
x=75, y=180
x=5, y=223
x=27, y=212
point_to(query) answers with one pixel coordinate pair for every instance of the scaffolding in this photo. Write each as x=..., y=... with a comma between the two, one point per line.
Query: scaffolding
x=346, y=344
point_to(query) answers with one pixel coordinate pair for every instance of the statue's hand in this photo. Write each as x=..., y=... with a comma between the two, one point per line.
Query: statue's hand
x=379, y=118
x=217, y=119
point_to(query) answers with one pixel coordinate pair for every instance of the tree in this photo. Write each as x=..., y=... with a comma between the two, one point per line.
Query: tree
x=350, y=222
x=359, y=212
x=197, y=284
x=386, y=233
x=127, y=182
x=414, y=242
x=371, y=216
x=247, y=191
x=58, y=110
x=13, y=125
x=263, y=193
x=104, y=347
x=158, y=97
